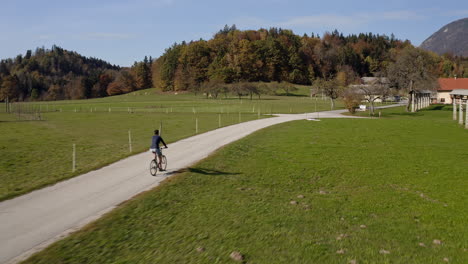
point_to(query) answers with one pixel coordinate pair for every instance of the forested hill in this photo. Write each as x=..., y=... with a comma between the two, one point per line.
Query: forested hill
x=279, y=55
x=54, y=74
x=272, y=55
x=231, y=56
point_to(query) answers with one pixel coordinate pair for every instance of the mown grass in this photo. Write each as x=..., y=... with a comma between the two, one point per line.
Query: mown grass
x=150, y=100
x=395, y=112
x=34, y=154
x=390, y=190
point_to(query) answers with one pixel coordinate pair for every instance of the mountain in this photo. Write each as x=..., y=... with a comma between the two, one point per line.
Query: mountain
x=451, y=38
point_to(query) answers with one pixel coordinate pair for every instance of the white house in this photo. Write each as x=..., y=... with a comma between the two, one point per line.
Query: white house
x=449, y=85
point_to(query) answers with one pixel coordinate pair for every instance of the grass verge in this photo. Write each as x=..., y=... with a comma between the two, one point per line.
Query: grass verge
x=39, y=153
x=372, y=191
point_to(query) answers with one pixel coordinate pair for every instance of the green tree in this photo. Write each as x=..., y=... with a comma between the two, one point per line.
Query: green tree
x=412, y=71
x=9, y=88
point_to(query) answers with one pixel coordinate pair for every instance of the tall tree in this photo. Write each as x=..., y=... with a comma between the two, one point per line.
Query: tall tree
x=412, y=71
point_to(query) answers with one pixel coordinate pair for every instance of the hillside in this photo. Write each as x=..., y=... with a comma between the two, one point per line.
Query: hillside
x=54, y=74
x=451, y=38
x=273, y=55
x=279, y=55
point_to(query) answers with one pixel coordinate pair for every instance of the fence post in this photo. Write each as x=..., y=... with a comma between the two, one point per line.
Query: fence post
x=240, y=118
x=74, y=158
x=454, y=104
x=219, y=120
x=196, y=125
x=130, y=140
x=460, y=118
x=160, y=128
x=466, y=115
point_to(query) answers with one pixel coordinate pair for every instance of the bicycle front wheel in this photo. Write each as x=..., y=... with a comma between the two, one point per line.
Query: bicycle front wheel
x=163, y=163
x=153, y=167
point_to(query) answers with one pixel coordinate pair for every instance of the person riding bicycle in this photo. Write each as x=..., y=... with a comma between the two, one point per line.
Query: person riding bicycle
x=155, y=141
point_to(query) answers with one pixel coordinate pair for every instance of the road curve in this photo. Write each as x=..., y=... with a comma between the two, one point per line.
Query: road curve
x=33, y=221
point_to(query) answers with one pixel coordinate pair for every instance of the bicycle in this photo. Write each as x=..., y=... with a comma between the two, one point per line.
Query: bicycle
x=154, y=165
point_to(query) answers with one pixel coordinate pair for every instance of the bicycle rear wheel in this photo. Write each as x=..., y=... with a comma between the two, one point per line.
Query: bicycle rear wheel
x=153, y=167
x=163, y=163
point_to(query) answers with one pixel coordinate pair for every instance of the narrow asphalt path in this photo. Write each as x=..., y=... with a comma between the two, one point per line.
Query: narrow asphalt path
x=33, y=221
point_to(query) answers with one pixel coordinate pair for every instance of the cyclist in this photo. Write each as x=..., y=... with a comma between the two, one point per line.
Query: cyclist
x=155, y=141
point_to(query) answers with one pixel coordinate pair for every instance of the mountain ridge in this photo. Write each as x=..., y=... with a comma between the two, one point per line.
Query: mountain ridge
x=451, y=38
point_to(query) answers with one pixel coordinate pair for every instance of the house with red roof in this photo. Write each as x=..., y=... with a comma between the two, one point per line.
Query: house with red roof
x=448, y=86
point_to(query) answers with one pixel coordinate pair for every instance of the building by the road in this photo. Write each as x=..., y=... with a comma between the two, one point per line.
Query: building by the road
x=447, y=87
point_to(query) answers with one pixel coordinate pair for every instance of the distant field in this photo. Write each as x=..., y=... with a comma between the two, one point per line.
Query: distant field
x=389, y=190
x=152, y=102
x=38, y=153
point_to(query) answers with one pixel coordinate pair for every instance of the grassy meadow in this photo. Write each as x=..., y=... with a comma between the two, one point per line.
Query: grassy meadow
x=36, y=153
x=388, y=190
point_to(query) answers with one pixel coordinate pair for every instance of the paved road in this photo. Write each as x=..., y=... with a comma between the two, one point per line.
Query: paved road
x=33, y=221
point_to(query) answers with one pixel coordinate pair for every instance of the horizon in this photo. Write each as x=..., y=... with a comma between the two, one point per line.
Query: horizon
x=122, y=32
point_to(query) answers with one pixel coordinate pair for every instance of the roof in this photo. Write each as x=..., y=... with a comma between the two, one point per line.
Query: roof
x=449, y=84
x=460, y=92
x=424, y=92
x=374, y=80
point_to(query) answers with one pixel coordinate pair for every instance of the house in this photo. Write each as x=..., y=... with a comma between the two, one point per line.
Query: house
x=449, y=85
x=374, y=88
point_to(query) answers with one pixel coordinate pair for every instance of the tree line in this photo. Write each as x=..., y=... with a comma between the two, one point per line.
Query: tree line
x=278, y=55
x=230, y=62
x=58, y=74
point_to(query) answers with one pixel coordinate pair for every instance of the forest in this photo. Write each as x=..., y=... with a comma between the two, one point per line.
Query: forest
x=278, y=55
x=59, y=74
x=228, y=62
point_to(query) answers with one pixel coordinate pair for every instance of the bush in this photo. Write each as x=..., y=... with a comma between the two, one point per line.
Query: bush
x=351, y=100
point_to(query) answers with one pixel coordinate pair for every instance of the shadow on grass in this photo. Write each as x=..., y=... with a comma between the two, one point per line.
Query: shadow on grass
x=204, y=172
x=406, y=114
x=291, y=94
x=439, y=108
x=210, y=172
x=18, y=121
x=244, y=98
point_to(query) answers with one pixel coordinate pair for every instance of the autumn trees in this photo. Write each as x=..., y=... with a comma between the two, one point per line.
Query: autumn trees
x=413, y=70
x=231, y=57
x=53, y=75
x=58, y=74
x=274, y=55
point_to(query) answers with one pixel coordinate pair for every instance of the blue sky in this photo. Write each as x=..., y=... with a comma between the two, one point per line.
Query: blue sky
x=124, y=31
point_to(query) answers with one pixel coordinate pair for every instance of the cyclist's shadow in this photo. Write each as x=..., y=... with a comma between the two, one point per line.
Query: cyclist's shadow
x=203, y=171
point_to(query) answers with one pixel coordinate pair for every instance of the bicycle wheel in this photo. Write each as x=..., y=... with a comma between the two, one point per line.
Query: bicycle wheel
x=153, y=167
x=163, y=163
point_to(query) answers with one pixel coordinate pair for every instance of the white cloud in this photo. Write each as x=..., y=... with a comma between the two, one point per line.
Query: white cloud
x=398, y=15
x=457, y=13
x=105, y=35
x=331, y=21
x=324, y=21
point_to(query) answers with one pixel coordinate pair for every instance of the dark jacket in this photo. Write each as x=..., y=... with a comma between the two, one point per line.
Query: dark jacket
x=156, y=140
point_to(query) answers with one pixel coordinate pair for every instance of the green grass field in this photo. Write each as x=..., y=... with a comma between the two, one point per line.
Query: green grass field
x=39, y=153
x=389, y=190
